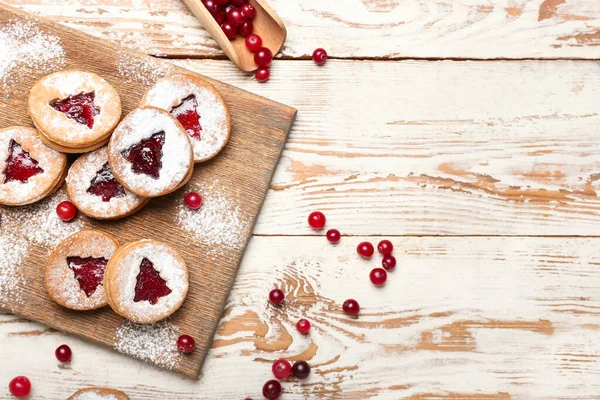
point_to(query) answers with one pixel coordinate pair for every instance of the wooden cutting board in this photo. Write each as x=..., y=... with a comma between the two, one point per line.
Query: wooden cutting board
x=212, y=240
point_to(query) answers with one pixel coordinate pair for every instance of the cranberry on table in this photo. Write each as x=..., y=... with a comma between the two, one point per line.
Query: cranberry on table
x=317, y=220
x=263, y=57
x=186, y=344
x=229, y=30
x=248, y=11
x=193, y=200
x=385, y=247
x=378, y=276
x=262, y=74
x=281, y=369
x=333, y=235
x=246, y=28
x=351, y=307
x=319, y=56
x=235, y=17
x=303, y=326
x=389, y=262
x=253, y=42
x=276, y=296
x=63, y=353
x=301, y=369
x=66, y=210
x=272, y=390
x=365, y=249
x=20, y=386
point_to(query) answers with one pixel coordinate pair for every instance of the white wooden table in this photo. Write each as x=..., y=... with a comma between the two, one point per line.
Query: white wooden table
x=467, y=131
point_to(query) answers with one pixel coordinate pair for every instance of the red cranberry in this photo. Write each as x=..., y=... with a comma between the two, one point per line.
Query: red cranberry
x=222, y=2
x=319, y=56
x=63, y=353
x=389, y=262
x=317, y=220
x=248, y=11
x=211, y=6
x=385, y=247
x=229, y=30
x=365, y=249
x=253, y=42
x=263, y=57
x=66, y=210
x=301, y=369
x=281, y=369
x=262, y=74
x=333, y=235
x=219, y=16
x=276, y=296
x=193, y=200
x=272, y=390
x=20, y=386
x=238, y=3
x=186, y=344
x=303, y=326
x=235, y=17
x=351, y=307
x=246, y=28
x=378, y=276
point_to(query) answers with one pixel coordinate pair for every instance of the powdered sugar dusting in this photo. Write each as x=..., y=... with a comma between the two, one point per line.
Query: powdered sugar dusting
x=94, y=396
x=219, y=224
x=156, y=343
x=145, y=70
x=12, y=252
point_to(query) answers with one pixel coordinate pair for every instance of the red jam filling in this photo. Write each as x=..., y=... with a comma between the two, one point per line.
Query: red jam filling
x=105, y=185
x=79, y=107
x=150, y=286
x=89, y=272
x=187, y=114
x=146, y=156
x=20, y=166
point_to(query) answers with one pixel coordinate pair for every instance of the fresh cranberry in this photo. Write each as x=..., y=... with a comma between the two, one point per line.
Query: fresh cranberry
x=319, y=56
x=253, y=42
x=66, y=210
x=211, y=6
x=351, y=307
x=193, y=200
x=246, y=28
x=263, y=57
x=20, y=387
x=281, y=369
x=186, y=344
x=301, y=369
x=385, y=247
x=378, y=276
x=303, y=326
x=365, y=249
x=389, y=262
x=219, y=16
x=276, y=296
x=333, y=235
x=235, y=17
x=222, y=2
x=248, y=11
x=63, y=353
x=272, y=390
x=238, y=3
x=317, y=220
x=262, y=74
x=229, y=30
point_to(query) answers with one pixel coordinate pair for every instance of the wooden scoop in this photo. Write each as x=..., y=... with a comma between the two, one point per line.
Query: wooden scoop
x=267, y=25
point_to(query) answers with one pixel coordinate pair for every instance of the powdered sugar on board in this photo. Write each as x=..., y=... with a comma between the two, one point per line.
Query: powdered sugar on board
x=156, y=343
x=219, y=224
x=12, y=252
x=141, y=69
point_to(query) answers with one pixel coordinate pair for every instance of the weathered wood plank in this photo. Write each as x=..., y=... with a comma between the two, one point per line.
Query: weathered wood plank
x=357, y=28
x=436, y=148
x=489, y=318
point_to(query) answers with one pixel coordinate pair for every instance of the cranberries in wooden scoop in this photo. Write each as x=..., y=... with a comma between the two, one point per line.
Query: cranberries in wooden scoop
x=20, y=166
x=150, y=286
x=146, y=156
x=79, y=107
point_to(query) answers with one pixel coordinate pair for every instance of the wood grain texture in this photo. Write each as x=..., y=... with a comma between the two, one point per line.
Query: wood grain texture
x=356, y=28
x=259, y=126
x=460, y=318
x=434, y=148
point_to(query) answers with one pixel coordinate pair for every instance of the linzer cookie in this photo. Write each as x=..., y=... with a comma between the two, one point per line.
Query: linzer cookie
x=74, y=111
x=29, y=170
x=145, y=281
x=75, y=270
x=98, y=393
x=150, y=153
x=198, y=107
x=96, y=192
